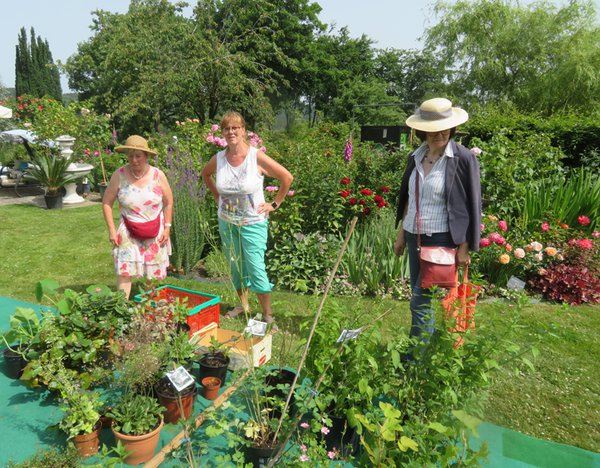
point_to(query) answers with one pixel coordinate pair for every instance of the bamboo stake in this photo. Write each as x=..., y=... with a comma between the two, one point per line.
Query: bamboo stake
x=314, y=325
x=176, y=441
x=103, y=170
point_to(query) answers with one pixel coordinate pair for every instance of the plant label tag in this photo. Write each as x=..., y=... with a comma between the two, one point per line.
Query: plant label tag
x=256, y=327
x=515, y=283
x=349, y=335
x=180, y=378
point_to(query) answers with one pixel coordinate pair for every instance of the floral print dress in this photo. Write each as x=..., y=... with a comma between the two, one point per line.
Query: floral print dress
x=135, y=257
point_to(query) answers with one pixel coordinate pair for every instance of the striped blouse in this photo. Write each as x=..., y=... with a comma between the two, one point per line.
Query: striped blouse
x=432, y=195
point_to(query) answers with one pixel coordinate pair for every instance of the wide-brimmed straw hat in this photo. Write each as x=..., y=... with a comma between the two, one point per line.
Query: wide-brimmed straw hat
x=436, y=115
x=135, y=142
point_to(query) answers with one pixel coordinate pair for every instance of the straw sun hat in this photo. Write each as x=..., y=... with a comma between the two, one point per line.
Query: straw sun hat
x=436, y=115
x=135, y=142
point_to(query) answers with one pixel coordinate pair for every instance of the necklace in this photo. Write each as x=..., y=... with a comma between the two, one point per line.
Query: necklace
x=136, y=177
x=432, y=161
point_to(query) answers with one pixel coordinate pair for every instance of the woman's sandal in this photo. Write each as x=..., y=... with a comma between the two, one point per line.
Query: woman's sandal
x=234, y=312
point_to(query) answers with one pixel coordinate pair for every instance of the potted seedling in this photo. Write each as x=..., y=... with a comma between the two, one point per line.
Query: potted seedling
x=20, y=339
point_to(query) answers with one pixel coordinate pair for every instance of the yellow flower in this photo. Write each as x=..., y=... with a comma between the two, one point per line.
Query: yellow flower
x=550, y=251
x=504, y=259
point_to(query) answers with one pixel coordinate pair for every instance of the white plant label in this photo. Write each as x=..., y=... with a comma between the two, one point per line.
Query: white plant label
x=180, y=378
x=515, y=283
x=349, y=334
x=256, y=327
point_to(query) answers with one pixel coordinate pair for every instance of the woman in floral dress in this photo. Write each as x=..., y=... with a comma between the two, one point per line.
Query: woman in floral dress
x=141, y=240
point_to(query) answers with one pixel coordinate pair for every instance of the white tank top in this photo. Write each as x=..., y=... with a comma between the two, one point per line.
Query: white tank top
x=240, y=189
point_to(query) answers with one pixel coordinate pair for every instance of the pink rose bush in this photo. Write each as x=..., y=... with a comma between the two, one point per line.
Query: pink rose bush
x=560, y=261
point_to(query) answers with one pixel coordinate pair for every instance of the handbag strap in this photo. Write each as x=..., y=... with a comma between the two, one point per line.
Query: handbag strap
x=417, y=177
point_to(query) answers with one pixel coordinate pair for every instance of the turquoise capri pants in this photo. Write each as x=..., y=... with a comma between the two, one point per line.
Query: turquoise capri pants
x=245, y=248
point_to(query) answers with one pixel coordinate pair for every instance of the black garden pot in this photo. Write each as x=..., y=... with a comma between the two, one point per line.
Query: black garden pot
x=285, y=378
x=213, y=365
x=260, y=456
x=54, y=202
x=14, y=363
x=341, y=436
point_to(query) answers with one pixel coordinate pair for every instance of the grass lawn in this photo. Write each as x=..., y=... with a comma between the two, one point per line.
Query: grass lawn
x=559, y=400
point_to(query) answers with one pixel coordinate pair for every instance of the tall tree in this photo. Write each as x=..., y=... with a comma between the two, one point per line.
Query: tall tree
x=35, y=71
x=540, y=57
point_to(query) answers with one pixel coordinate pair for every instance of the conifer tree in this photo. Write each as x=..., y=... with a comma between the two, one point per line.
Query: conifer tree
x=35, y=72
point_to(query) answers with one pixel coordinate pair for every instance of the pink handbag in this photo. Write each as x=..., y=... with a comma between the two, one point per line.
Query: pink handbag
x=437, y=264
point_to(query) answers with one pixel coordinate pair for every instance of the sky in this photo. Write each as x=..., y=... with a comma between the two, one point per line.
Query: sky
x=64, y=23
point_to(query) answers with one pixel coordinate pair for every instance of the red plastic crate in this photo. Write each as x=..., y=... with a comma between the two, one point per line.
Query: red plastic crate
x=203, y=308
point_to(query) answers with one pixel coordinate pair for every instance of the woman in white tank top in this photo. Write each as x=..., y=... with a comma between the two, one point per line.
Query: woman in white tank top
x=239, y=172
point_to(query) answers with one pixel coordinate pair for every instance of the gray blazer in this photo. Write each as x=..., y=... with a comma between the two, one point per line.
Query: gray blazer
x=463, y=196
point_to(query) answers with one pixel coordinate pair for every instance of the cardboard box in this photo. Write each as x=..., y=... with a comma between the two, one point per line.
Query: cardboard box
x=244, y=352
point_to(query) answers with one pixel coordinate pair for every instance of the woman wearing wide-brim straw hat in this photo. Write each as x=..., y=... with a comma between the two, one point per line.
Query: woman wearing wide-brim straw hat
x=141, y=244
x=449, y=200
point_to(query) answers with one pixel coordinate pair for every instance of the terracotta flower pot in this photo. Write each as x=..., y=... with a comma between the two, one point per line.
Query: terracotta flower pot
x=211, y=386
x=87, y=444
x=169, y=398
x=140, y=447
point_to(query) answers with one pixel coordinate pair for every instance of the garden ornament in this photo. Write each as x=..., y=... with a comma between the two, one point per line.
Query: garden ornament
x=435, y=115
x=135, y=142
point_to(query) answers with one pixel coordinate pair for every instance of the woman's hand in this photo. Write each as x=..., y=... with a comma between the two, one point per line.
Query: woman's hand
x=265, y=208
x=113, y=237
x=400, y=243
x=164, y=237
x=462, y=255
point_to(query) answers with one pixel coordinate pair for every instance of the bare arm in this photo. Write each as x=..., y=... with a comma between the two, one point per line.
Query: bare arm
x=272, y=168
x=107, y=204
x=400, y=243
x=167, y=208
x=207, y=175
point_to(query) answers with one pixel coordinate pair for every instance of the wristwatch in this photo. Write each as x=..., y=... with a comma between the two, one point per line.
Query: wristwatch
x=274, y=205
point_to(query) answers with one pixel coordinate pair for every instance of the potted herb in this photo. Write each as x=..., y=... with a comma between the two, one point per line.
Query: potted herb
x=215, y=362
x=51, y=172
x=19, y=340
x=136, y=423
x=81, y=421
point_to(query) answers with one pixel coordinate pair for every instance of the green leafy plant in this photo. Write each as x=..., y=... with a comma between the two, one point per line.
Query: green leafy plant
x=51, y=172
x=136, y=414
x=24, y=331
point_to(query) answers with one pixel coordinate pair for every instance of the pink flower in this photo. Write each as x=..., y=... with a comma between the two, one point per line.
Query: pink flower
x=545, y=227
x=214, y=128
x=495, y=237
x=585, y=244
x=304, y=447
x=331, y=454
x=476, y=151
x=96, y=153
x=485, y=242
x=583, y=220
x=304, y=425
x=481, y=227
x=98, y=289
x=291, y=193
x=304, y=458
x=348, y=150
x=508, y=247
x=596, y=234
x=502, y=225
x=538, y=257
x=87, y=151
x=27, y=124
x=519, y=253
x=262, y=148
x=325, y=430
x=271, y=188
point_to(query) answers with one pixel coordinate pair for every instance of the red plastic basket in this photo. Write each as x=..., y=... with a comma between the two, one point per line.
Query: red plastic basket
x=203, y=308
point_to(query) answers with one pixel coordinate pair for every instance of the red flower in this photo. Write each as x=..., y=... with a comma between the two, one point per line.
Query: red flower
x=485, y=242
x=381, y=204
x=362, y=202
x=502, y=225
x=352, y=201
x=378, y=199
x=345, y=181
x=583, y=220
x=344, y=193
x=545, y=227
x=366, y=191
x=385, y=189
x=366, y=210
x=585, y=244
